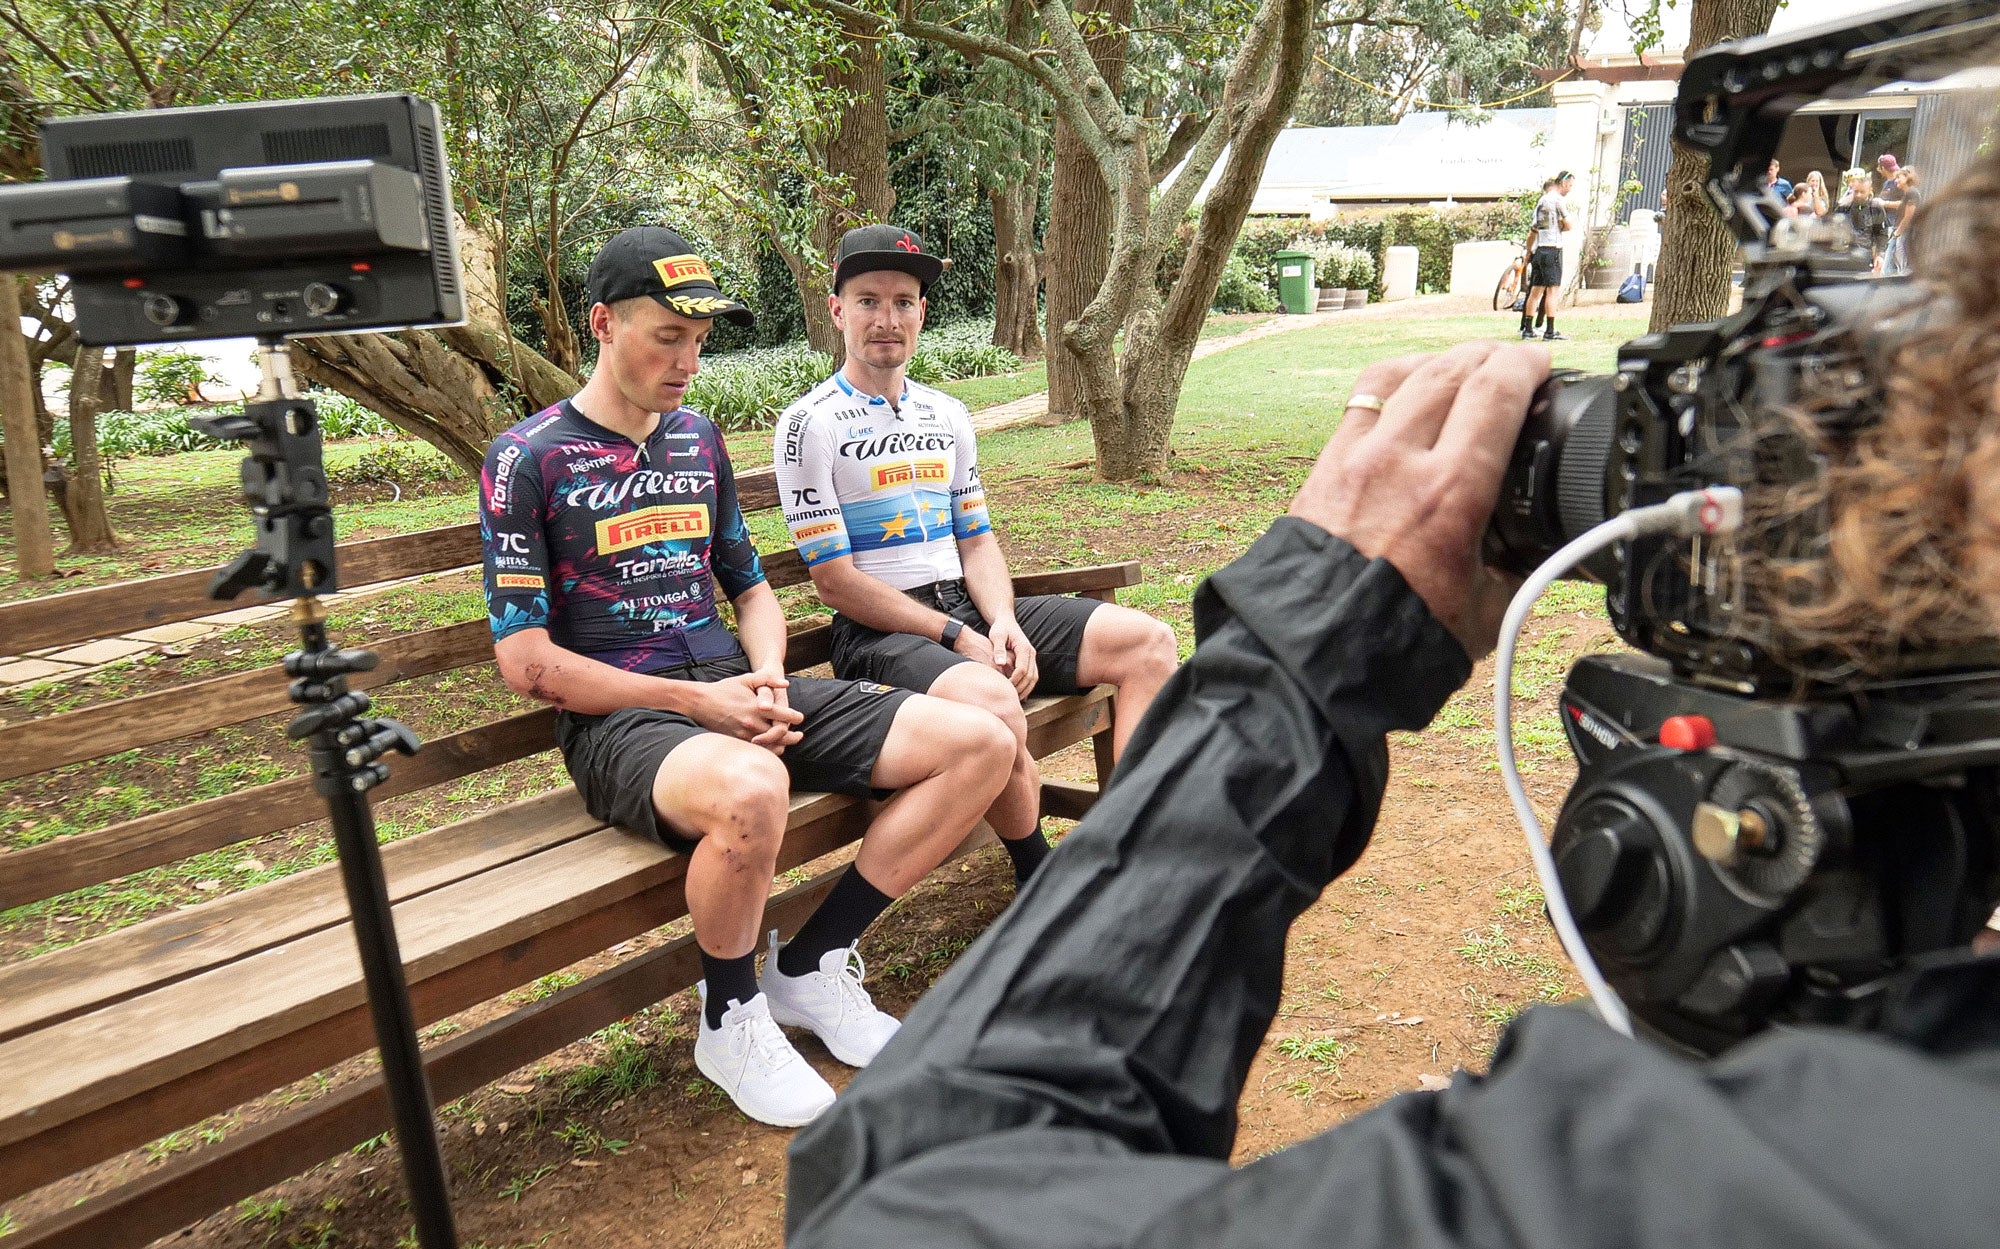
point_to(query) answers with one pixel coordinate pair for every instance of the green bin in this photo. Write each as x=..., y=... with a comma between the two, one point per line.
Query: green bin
x=1295, y=281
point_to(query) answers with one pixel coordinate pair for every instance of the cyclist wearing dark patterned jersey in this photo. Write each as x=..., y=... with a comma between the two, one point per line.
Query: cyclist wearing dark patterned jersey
x=611, y=545
x=609, y=521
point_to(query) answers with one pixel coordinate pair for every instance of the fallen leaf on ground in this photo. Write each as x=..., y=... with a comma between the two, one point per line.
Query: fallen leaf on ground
x=516, y=1089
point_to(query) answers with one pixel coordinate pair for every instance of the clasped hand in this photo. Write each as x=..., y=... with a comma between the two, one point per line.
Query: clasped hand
x=752, y=707
x=1006, y=650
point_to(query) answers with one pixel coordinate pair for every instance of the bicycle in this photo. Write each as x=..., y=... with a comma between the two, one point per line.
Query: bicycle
x=1512, y=287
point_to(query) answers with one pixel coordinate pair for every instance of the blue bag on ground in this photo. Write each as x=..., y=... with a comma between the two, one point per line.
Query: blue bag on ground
x=1632, y=290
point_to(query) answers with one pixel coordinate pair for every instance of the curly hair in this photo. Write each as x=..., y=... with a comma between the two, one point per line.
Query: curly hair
x=1910, y=560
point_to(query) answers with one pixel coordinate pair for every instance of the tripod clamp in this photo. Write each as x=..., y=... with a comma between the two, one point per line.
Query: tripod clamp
x=345, y=746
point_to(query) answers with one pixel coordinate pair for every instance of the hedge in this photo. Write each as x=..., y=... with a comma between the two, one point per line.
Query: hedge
x=1374, y=231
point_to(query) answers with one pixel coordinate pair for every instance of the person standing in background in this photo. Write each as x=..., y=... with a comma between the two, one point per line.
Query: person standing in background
x=1545, y=261
x=1780, y=186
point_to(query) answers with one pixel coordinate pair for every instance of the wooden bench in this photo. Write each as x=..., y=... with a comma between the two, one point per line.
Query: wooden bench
x=119, y=1040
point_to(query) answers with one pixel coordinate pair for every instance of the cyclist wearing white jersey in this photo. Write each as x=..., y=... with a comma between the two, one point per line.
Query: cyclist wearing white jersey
x=879, y=477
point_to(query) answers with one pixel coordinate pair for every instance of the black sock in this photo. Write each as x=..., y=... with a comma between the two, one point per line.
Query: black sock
x=1525, y=323
x=1027, y=853
x=849, y=908
x=729, y=979
x=1550, y=327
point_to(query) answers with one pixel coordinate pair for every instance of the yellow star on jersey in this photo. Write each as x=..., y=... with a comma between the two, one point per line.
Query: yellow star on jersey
x=893, y=529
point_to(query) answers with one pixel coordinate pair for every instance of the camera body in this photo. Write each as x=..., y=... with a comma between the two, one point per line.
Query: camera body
x=1752, y=839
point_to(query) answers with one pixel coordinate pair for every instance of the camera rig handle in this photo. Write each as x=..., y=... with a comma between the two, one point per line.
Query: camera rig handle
x=1734, y=97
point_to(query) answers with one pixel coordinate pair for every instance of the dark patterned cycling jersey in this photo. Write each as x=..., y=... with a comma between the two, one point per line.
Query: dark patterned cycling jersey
x=611, y=545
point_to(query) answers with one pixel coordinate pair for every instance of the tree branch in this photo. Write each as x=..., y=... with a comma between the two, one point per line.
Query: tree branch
x=68, y=72
x=125, y=45
x=1186, y=131
x=1079, y=108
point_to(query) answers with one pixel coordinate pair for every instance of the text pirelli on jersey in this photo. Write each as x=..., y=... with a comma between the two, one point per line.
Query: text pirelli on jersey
x=614, y=547
x=892, y=485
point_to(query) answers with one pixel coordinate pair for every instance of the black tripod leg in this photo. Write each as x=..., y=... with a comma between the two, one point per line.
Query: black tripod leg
x=389, y=1003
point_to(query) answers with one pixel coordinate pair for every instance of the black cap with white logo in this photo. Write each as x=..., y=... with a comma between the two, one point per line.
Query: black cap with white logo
x=865, y=249
x=653, y=260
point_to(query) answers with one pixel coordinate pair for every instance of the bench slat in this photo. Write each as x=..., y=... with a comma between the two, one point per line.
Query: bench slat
x=192, y=1186
x=33, y=746
x=81, y=615
x=118, y=965
x=78, y=616
x=97, y=1059
x=61, y=1145
x=56, y=867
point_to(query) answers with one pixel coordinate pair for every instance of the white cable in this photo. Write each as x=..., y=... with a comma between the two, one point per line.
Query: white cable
x=1716, y=510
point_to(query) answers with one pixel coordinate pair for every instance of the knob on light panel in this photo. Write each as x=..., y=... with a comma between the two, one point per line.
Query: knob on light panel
x=165, y=310
x=323, y=299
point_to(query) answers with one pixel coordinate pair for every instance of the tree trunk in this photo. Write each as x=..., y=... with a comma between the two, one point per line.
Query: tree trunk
x=812, y=285
x=1077, y=248
x=1131, y=427
x=1697, y=251
x=442, y=386
x=116, y=393
x=1017, y=275
x=34, y=550
x=83, y=499
x=857, y=150
x=558, y=332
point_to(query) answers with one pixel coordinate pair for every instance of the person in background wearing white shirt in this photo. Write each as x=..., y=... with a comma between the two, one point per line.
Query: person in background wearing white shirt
x=1545, y=261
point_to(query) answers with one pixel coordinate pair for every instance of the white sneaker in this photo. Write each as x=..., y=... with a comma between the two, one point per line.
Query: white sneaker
x=831, y=1002
x=749, y=1059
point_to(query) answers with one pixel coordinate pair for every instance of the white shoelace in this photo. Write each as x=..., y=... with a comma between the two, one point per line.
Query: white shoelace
x=768, y=1043
x=847, y=982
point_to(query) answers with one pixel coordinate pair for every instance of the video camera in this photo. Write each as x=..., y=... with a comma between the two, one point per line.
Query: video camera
x=1755, y=836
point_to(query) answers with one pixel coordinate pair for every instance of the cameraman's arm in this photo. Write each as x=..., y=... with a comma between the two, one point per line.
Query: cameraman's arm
x=1078, y=1070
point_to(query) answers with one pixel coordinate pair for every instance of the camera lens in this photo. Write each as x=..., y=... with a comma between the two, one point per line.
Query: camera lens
x=1554, y=489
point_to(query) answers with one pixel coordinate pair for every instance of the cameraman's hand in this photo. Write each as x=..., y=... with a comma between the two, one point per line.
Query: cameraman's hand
x=1415, y=483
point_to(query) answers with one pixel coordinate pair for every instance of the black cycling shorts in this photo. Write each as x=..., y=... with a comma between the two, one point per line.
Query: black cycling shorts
x=613, y=759
x=1053, y=623
x=1545, y=267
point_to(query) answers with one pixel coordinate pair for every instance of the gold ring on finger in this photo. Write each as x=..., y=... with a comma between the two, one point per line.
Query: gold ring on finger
x=1372, y=402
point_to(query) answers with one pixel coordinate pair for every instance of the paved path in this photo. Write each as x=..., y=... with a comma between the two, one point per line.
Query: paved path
x=1035, y=407
x=70, y=662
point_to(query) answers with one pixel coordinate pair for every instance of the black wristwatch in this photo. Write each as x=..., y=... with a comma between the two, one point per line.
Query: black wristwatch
x=953, y=626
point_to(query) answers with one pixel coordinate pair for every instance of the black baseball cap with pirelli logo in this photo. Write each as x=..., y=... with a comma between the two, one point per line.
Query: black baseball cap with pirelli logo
x=653, y=260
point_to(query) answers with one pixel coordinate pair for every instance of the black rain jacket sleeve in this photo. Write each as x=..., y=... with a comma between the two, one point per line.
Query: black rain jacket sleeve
x=1073, y=1080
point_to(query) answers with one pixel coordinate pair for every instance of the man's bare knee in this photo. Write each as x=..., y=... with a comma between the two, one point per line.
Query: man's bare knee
x=973, y=685
x=1157, y=653
x=728, y=790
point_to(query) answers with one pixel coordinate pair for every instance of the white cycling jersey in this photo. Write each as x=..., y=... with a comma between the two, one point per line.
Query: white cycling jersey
x=893, y=485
